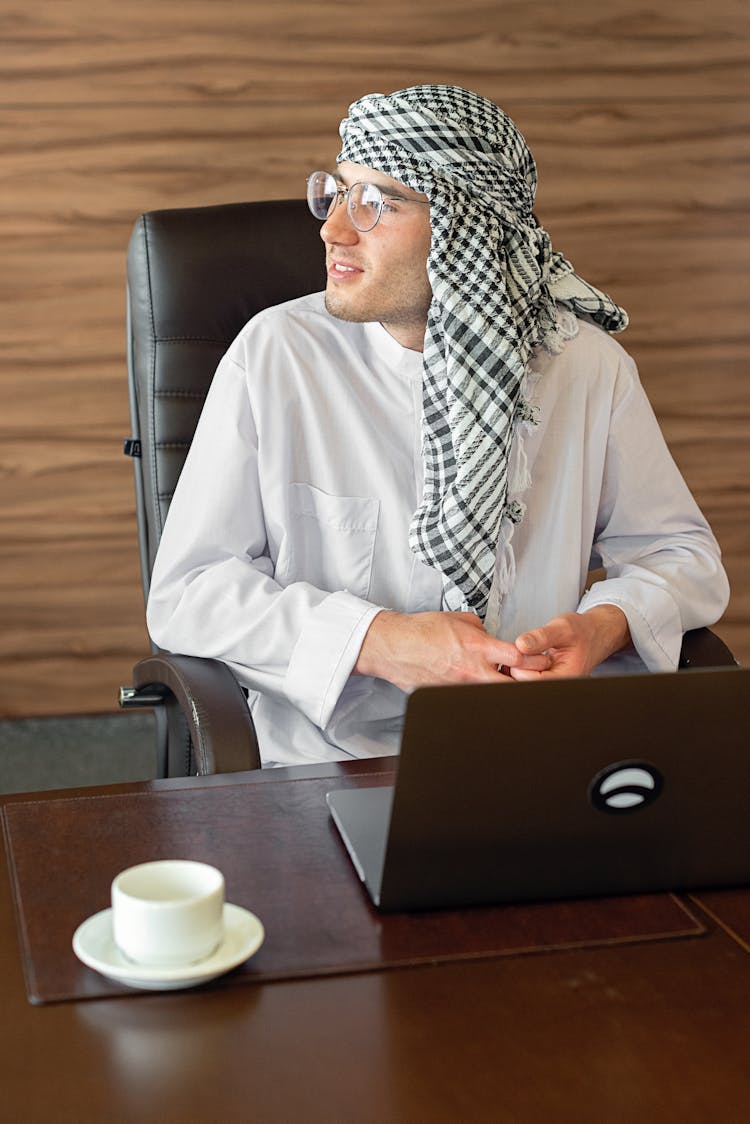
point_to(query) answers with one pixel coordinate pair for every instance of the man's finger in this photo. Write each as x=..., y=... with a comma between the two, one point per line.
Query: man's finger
x=536, y=641
x=503, y=652
x=556, y=633
x=524, y=675
x=508, y=655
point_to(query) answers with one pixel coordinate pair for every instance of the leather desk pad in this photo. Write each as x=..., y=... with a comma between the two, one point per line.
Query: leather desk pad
x=283, y=860
x=730, y=909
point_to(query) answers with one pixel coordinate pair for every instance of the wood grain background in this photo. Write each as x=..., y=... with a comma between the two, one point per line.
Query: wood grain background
x=638, y=115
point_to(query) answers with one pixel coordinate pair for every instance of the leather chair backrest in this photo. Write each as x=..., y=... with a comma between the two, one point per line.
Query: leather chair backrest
x=195, y=276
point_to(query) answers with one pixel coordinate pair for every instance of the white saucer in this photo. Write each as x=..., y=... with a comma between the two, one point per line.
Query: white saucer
x=94, y=945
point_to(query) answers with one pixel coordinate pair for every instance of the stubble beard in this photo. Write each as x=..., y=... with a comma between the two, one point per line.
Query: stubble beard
x=398, y=313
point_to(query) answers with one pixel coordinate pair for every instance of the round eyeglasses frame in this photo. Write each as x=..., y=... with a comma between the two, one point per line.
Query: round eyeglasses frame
x=364, y=201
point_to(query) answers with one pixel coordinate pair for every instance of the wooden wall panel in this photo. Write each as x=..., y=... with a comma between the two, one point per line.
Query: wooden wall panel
x=638, y=116
x=292, y=51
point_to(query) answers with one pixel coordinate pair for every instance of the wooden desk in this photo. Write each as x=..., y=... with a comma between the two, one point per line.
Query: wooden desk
x=653, y=1032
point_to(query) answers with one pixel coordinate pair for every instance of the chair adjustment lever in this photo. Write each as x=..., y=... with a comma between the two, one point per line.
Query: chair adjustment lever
x=141, y=696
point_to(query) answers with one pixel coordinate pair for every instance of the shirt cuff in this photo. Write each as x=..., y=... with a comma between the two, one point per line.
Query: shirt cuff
x=326, y=652
x=653, y=618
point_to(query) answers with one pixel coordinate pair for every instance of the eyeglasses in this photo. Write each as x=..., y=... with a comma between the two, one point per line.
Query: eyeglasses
x=365, y=202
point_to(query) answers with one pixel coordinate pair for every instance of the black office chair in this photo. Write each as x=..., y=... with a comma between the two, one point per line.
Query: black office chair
x=195, y=277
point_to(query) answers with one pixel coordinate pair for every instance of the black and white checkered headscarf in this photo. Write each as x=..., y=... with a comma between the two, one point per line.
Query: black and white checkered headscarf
x=496, y=282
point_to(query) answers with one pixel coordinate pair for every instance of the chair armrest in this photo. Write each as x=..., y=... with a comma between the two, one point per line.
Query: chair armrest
x=214, y=707
x=703, y=648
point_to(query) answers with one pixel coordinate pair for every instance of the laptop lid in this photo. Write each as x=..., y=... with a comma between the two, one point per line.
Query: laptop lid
x=562, y=788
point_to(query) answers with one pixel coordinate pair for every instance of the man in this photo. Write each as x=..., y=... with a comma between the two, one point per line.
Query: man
x=407, y=479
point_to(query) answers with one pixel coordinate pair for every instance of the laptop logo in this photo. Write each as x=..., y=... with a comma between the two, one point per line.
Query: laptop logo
x=626, y=786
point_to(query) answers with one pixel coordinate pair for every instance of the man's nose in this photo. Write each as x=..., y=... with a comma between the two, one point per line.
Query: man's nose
x=338, y=227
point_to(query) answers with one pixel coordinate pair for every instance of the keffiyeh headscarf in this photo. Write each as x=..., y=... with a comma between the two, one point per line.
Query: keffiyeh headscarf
x=495, y=282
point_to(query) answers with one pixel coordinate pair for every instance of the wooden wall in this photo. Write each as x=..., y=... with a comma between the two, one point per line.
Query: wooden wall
x=637, y=113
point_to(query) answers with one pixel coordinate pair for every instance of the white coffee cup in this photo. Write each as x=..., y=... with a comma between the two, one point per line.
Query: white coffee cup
x=168, y=913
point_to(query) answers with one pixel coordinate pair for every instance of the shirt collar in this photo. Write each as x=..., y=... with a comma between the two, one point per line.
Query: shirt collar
x=401, y=359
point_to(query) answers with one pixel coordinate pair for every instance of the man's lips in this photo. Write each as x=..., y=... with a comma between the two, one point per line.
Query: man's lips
x=342, y=271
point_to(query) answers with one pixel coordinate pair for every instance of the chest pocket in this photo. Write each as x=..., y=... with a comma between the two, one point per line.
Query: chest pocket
x=331, y=539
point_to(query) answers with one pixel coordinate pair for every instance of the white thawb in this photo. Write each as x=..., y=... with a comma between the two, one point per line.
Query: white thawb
x=289, y=527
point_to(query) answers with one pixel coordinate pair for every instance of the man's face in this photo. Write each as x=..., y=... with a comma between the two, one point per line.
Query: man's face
x=380, y=274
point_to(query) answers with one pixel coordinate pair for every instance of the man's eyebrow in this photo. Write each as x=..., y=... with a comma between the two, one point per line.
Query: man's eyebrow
x=391, y=192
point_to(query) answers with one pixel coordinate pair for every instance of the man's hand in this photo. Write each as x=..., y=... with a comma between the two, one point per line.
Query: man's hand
x=574, y=642
x=421, y=649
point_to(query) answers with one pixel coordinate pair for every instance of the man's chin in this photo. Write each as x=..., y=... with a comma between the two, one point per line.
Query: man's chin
x=341, y=308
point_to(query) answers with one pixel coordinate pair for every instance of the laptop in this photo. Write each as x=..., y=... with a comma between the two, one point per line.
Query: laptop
x=559, y=789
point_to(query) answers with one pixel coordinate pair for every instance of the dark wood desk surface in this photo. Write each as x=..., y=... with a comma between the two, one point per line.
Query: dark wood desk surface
x=654, y=1032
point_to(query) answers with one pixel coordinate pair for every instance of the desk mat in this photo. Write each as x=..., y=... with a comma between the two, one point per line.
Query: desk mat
x=283, y=860
x=730, y=909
